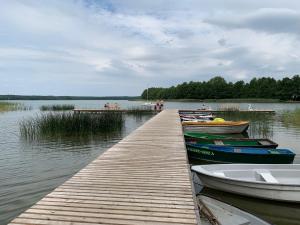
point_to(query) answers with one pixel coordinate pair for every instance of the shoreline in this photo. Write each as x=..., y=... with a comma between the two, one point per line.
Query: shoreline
x=239, y=100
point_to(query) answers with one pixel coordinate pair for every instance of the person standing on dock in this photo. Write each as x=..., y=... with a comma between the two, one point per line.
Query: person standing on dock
x=156, y=106
x=106, y=106
x=161, y=105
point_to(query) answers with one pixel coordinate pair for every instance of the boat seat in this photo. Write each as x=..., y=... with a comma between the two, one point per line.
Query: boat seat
x=264, y=142
x=220, y=174
x=267, y=176
x=218, y=142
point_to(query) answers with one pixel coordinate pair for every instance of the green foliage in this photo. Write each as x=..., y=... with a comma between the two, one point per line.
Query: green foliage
x=218, y=88
x=57, y=124
x=56, y=107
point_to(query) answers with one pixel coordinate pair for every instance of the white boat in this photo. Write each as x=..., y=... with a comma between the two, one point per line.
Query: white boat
x=279, y=182
x=148, y=104
x=197, y=118
x=205, y=107
x=219, y=213
x=188, y=119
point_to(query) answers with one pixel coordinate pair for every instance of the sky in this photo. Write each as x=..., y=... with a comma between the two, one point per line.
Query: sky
x=121, y=47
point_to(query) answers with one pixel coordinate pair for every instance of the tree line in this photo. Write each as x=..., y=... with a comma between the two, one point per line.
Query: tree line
x=218, y=88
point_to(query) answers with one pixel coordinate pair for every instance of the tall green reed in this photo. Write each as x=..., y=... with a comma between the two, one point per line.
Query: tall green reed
x=12, y=106
x=261, y=124
x=67, y=124
x=57, y=107
x=139, y=110
x=289, y=118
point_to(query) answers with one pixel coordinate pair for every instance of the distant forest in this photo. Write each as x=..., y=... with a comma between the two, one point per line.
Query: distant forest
x=40, y=97
x=218, y=88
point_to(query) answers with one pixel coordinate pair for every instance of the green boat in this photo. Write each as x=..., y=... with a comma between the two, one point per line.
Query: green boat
x=211, y=136
x=220, y=140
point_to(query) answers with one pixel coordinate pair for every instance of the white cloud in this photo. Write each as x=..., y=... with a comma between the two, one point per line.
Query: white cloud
x=120, y=47
x=272, y=20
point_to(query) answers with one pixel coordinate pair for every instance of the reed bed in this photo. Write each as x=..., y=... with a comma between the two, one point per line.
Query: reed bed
x=140, y=110
x=12, y=106
x=291, y=117
x=229, y=107
x=67, y=124
x=261, y=124
x=63, y=107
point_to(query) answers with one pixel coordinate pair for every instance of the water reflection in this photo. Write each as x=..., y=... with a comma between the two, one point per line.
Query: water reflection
x=279, y=213
x=261, y=124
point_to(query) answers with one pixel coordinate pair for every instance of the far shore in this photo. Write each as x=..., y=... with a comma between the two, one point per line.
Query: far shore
x=137, y=98
x=238, y=100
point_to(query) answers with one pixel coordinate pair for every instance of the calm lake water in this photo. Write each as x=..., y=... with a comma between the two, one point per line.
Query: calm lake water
x=30, y=170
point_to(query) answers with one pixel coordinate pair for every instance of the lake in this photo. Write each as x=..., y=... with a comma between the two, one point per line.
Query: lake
x=30, y=170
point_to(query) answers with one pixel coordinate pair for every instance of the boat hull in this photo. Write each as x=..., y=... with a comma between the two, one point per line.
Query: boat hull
x=226, y=214
x=217, y=129
x=215, y=156
x=261, y=191
x=272, y=191
x=235, y=142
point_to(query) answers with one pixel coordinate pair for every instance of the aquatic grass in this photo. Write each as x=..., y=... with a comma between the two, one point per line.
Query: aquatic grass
x=229, y=107
x=63, y=107
x=66, y=124
x=261, y=124
x=140, y=110
x=12, y=106
x=291, y=117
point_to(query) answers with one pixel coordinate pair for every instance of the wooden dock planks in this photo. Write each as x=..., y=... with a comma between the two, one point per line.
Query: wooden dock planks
x=144, y=179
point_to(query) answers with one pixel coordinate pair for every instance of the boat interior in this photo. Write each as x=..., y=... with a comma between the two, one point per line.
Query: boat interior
x=263, y=175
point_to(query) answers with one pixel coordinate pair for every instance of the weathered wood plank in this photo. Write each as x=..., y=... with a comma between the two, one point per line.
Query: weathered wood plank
x=83, y=208
x=138, y=209
x=93, y=201
x=98, y=216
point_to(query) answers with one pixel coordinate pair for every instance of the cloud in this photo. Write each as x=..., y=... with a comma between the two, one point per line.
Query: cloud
x=268, y=20
x=116, y=47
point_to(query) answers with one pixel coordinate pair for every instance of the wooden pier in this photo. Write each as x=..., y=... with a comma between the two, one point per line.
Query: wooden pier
x=142, y=180
x=111, y=110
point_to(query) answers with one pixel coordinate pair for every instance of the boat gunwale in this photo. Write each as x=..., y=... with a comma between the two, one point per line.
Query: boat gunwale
x=289, y=152
x=235, y=139
x=214, y=125
x=233, y=208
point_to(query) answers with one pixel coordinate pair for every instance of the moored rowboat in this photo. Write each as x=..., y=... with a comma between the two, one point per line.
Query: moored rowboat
x=234, y=142
x=197, y=118
x=228, y=154
x=279, y=182
x=206, y=135
x=217, y=212
x=216, y=127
